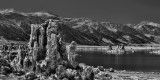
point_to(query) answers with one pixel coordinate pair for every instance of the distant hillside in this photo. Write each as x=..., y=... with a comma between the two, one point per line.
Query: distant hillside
x=149, y=29
x=109, y=33
x=15, y=25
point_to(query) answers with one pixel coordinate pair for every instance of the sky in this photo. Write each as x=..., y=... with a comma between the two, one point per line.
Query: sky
x=117, y=11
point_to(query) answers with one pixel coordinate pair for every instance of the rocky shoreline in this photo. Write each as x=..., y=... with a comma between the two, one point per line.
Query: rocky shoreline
x=100, y=74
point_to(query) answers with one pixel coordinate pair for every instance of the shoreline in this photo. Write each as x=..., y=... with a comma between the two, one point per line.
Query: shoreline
x=115, y=75
x=135, y=75
x=106, y=48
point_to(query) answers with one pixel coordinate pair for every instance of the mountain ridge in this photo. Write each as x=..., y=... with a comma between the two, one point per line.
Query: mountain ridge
x=15, y=25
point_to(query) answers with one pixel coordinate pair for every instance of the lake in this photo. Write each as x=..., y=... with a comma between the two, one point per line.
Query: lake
x=131, y=61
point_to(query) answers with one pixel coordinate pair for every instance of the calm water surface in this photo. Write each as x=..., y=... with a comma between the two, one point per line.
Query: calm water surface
x=138, y=61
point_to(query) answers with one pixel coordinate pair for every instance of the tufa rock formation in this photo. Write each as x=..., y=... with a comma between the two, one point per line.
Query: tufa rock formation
x=49, y=58
x=47, y=46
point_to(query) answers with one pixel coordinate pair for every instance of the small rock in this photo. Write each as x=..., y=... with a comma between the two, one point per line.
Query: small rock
x=30, y=76
x=111, y=70
x=101, y=68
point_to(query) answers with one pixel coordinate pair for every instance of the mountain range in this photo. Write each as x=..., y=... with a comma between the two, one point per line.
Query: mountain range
x=16, y=25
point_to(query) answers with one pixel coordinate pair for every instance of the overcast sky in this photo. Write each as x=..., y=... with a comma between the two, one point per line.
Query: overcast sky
x=117, y=11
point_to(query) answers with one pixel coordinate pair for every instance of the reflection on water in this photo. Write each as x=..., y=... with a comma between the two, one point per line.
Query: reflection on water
x=137, y=61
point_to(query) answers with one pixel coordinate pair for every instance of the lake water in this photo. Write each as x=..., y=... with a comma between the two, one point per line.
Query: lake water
x=137, y=61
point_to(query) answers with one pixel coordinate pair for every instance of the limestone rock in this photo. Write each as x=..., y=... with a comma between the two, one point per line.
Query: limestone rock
x=46, y=44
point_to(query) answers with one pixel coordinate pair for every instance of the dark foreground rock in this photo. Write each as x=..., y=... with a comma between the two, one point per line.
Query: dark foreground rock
x=5, y=67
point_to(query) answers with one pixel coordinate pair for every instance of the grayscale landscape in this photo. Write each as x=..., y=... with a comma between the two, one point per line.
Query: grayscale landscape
x=48, y=45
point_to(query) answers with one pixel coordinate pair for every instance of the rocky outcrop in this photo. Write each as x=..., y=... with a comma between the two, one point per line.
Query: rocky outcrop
x=49, y=58
x=48, y=48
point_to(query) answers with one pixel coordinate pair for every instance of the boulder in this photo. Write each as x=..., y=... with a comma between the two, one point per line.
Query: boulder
x=111, y=70
x=101, y=68
x=88, y=73
x=30, y=76
x=5, y=67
